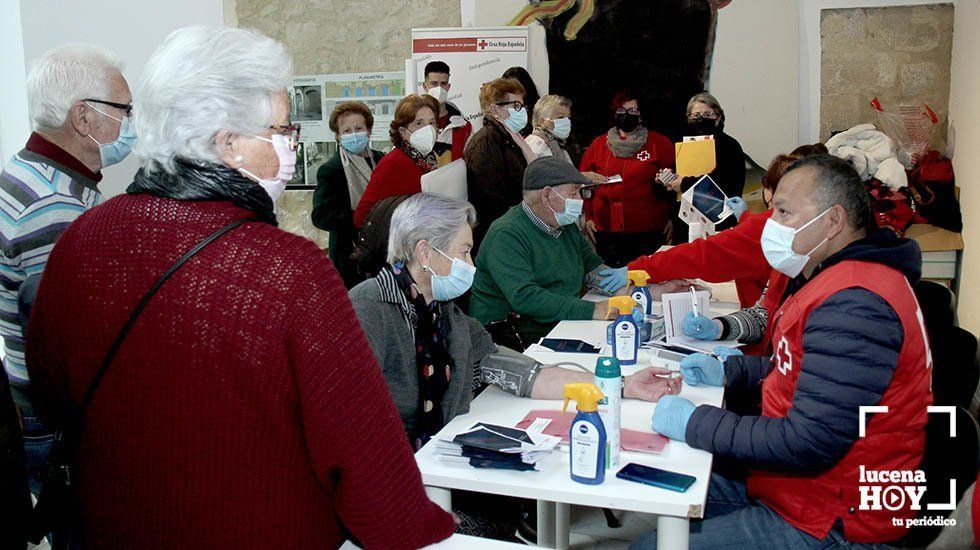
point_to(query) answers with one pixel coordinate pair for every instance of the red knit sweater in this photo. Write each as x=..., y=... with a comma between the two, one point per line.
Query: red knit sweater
x=244, y=410
x=396, y=174
x=733, y=254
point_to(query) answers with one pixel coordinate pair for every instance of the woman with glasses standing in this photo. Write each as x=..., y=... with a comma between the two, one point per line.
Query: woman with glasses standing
x=497, y=155
x=705, y=117
x=413, y=133
x=224, y=418
x=341, y=182
x=630, y=215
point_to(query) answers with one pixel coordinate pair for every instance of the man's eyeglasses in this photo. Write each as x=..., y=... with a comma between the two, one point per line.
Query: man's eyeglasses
x=126, y=107
x=291, y=131
x=518, y=105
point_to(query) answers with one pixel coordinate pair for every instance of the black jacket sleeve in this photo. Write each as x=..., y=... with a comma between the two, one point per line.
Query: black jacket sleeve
x=851, y=345
x=331, y=200
x=745, y=373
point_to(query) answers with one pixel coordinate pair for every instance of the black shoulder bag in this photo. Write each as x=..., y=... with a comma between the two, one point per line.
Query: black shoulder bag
x=56, y=504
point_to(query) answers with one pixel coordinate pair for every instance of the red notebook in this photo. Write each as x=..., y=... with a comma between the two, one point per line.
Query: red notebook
x=629, y=440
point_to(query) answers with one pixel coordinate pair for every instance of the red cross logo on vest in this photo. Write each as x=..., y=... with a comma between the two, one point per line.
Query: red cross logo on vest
x=643, y=155
x=784, y=359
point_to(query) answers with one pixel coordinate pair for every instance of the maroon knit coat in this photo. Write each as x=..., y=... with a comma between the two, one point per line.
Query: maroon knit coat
x=244, y=410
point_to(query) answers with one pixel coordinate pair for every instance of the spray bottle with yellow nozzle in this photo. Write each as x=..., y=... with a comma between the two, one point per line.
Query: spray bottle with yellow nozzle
x=640, y=292
x=624, y=334
x=587, y=436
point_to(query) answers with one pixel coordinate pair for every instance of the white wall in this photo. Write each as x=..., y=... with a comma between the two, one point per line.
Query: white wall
x=755, y=75
x=133, y=29
x=964, y=123
x=497, y=13
x=13, y=99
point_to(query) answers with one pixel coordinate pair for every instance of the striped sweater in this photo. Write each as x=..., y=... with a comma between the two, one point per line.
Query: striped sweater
x=42, y=190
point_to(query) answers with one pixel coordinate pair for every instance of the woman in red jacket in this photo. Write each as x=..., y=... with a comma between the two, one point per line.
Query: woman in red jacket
x=628, y=219
x=413, y=133
x=244, y=409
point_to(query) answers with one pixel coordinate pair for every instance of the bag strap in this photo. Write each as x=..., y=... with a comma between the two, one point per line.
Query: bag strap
x=111, y=354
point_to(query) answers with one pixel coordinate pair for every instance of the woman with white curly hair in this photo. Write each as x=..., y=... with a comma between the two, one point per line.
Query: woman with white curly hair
x=242, y=407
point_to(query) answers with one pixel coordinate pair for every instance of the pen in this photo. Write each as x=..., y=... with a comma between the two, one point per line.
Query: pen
x=694, y=301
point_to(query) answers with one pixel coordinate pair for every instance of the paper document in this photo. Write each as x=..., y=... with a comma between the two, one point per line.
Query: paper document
x=450, y=180
x=677, y=305
x=702, y=346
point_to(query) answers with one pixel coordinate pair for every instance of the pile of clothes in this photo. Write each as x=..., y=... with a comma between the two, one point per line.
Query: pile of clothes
x=873, y=155
x=900, y=197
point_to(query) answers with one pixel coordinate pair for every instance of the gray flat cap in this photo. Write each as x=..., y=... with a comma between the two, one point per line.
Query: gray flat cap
x=551, y=171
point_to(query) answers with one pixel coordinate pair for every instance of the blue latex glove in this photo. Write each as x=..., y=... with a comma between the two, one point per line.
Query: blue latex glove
x=701, y=327
x=671, y=416
x=701, y=368
x=612, y=279
x=639, y=315
x=724, y=353
x=737, y=206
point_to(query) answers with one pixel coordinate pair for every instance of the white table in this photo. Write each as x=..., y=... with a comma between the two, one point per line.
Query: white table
x=553, y=488
x=458, y=542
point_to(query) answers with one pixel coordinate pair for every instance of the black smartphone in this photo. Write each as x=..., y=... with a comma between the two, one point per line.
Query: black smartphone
x=672, y=481
x=569, y=346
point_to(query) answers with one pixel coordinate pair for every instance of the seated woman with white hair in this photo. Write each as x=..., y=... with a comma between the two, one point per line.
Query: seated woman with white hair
x=433, y=355
x=243, y=408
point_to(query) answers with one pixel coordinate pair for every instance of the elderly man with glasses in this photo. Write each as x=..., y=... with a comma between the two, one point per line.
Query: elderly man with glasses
x=532, y=263
x=80, y=108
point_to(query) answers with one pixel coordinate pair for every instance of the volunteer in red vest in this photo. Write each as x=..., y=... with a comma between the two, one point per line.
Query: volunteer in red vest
x=848, y=334
x=454, y=129
x=733, y=254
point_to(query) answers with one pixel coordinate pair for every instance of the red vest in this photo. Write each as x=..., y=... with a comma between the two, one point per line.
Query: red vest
x=893, y=441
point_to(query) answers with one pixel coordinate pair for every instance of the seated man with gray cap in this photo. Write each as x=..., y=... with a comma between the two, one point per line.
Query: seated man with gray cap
x=533, y=261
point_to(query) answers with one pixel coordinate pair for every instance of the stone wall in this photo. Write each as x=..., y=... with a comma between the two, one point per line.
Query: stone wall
x=901, y=54
x=337, y=36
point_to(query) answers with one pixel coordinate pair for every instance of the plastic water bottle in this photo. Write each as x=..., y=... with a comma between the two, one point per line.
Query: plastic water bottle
x=608, y=377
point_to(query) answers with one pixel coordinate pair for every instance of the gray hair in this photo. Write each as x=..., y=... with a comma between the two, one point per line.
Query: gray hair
x=546, y=106
x=707, y=99
x=430, y=216
x=201, y=80
x=837, y=183
x=61, y=77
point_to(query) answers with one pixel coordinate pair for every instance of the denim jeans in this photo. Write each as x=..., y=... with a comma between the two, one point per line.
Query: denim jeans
x=733, y=520
x=38, y=438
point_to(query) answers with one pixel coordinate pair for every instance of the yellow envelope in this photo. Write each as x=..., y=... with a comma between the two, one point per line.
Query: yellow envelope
x=695, y=158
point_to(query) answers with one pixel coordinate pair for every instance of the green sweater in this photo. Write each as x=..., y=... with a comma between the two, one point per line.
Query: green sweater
x=521, y=269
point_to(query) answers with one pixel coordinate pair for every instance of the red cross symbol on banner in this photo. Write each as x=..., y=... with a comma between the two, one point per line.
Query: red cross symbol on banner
x=784, y=359
x=643, y=155
x=482, y=44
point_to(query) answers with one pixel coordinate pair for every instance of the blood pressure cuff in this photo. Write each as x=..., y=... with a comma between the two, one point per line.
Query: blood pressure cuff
x=510, y=371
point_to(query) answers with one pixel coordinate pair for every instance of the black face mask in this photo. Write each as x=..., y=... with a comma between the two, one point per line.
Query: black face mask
x=627, y=122
x=702, y=126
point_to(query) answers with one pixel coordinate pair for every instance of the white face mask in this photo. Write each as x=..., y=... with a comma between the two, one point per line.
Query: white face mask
x=563, y=127
x=423, y=139
x=439, y=93
x=777, y=246
x=287, y=167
